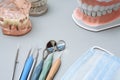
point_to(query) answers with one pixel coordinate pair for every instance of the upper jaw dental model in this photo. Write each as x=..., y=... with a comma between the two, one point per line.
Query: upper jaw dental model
x=14, y=17
x=38, y=7
x=97, y=15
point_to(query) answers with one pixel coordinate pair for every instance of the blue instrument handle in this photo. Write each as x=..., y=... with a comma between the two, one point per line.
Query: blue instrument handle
x=37, y=71
x=27, y=68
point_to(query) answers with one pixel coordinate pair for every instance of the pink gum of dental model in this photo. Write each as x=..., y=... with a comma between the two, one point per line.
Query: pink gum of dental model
x=14, y=17
x=96, y=12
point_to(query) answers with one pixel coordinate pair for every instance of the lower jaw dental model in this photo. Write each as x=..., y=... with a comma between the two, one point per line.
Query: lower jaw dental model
x=97, y=15
x=38, y=7
x=14, y=17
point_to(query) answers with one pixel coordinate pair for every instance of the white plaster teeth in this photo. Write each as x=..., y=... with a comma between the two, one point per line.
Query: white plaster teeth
x=106, y=8
x=89, y=13
x=99, y=13
x=90, y=8
x=116, y=7
x=104, y=12
x=93, y=14
x=80, y=3
x=109, y=11
x=111, y=7
x=96, y=8
x=104, y=0
x=85, y=11
x=81, y=10
x=84, y=6
x=102, y=8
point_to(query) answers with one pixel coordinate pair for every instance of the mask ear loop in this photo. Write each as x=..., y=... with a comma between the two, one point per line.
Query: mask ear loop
x=104, y=50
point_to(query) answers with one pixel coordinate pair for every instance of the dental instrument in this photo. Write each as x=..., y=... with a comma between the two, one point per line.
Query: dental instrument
x=48, y=62
x=61, y=45
x=49, y=49
x=46, y=67
x=15, y=64
x=26, y=60
x=27, y=67
x=34, y=64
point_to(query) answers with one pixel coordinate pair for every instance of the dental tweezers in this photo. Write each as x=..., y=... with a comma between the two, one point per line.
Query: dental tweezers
x=15, y=64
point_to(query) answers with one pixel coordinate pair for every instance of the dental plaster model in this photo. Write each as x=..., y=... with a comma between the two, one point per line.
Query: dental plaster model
x=38, y=7
x=97, y=15
x=14, y=17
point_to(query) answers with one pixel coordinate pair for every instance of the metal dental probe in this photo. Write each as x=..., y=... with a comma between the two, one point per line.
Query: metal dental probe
x=15, y=63
x=34, y=64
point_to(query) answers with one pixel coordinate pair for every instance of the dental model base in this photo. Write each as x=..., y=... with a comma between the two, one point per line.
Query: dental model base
x=96, y=28
x=14, y=17
x=97, y=15
x=38, y=7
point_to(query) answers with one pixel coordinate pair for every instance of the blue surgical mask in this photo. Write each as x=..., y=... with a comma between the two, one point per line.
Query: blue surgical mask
x=95, y=64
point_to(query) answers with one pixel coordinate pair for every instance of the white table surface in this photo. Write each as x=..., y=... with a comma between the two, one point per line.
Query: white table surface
x=56, y=24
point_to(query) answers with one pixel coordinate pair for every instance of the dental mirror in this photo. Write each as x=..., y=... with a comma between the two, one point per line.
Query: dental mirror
x=51, y=46
x=61, y=45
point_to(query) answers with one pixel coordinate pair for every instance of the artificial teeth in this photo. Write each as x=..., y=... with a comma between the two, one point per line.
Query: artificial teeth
x=93, y=14
x=81, y=10
x=104, y=12
x=106, y=8
x=99, y=13
x=111, y=7
x=109, y=11
x=102, y=8
x=89, y=13
x=96, y=8
x=80, y=3
x=85, y=11
x=84, y=6
x=90, y=8
x=116, y=7
x=104, y=0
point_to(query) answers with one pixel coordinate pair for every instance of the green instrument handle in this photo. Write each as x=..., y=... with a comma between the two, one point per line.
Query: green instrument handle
x=46, y=67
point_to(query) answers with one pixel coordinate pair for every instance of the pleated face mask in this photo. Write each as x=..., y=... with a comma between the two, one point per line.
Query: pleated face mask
x=95, y=64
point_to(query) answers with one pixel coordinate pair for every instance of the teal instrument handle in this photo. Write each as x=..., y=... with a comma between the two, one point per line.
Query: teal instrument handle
x=46, y=67
x=37, y=71
x=27, y=68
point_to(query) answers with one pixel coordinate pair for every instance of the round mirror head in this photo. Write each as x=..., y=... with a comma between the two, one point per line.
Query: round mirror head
x=51, y=46
x=61, y=45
